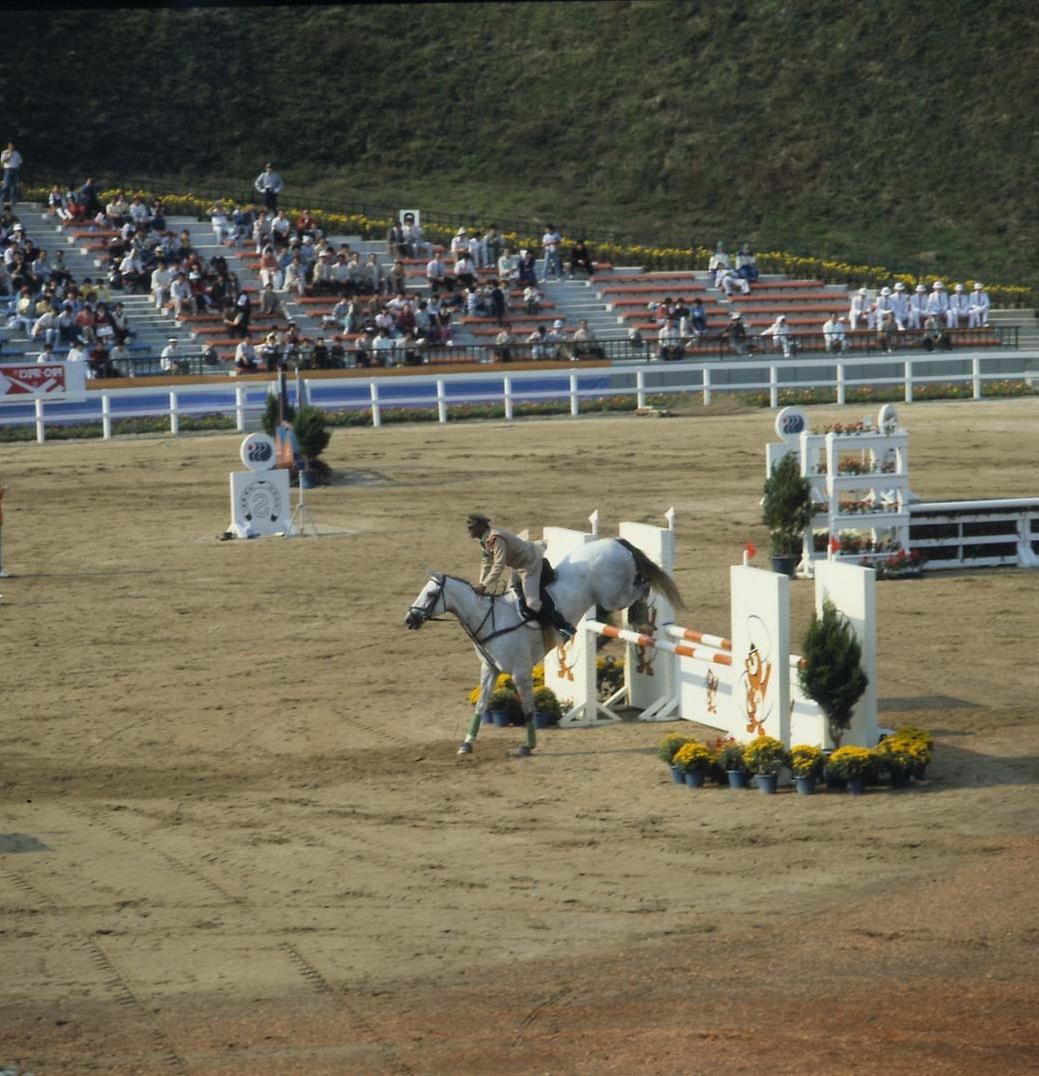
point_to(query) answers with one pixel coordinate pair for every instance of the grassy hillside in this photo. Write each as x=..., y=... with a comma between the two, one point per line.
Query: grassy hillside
x=882, y=133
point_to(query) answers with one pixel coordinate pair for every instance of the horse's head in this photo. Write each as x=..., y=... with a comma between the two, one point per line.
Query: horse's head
x=425, y=605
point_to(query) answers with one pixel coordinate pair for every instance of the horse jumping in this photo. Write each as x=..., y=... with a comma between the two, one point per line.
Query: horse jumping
x=610, y=573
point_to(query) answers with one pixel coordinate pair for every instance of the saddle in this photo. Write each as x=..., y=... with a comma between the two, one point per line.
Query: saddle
x=548, y=614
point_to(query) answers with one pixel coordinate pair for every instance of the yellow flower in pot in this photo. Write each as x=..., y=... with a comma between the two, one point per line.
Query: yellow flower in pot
x=806, y=764
x=693, y=760
x=765, y=756
x=852, y=764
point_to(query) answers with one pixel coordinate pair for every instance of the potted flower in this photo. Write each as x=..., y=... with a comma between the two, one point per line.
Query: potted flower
x=547, y=709
x=898, y=756
x=666, y=753
x=806, y=764
x=851, y=764
x=765, y=756
x=731, y=760
x=505, y=707
x=786, y=509
x=694, y=760
x=923, y=746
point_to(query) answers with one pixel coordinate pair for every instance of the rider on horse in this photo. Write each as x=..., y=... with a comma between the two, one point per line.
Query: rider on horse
x=500, y=549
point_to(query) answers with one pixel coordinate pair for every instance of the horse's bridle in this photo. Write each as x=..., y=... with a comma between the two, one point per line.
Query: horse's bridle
x=426, y=611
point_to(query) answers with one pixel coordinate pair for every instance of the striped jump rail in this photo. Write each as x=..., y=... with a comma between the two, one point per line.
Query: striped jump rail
x=718, y=657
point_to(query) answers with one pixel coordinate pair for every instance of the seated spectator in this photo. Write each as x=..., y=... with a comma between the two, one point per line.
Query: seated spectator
x=860, y=310
x=45, y=329
x=121, y=359
x=161, y=279
x=670, y=341
x=372, y=277
x=540, y=346
x=262, y=235
x=584, y=343
x=696, y=327
x=414, y=348
x=959, y=308
x=270, y=353
x=532, y=299
x=295, y=279
x=718, y=261
x=503, y=343
x=182, y=297
x=280, y=229
x=241, y=224
x=220, y=224
x=834, y=334
x=245, y=358
x=936, y=334
x=977, y=315
x=736, y=333
x=507, y=266
x=525, y=269
x=306, y=225
x=270, y=304
x=57, y=204
x=100, y=361
x=887, y=331
x=465, y=271
x=435, y=273
x=747, y=264
x=170, y=359
x=917, y=308
x=383, y=347
x=900, y=306
x=140, y=214
x=730, y=283
x=938, y=304
x=581, y=259
x=319, y=356
x=210, y=356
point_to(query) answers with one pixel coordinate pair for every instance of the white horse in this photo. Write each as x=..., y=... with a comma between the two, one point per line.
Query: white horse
x=608, y=572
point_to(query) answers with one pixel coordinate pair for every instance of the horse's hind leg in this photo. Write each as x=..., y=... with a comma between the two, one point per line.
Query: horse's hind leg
x=525, y=686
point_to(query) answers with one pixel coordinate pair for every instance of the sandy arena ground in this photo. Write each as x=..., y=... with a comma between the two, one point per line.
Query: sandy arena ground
x=263, y=855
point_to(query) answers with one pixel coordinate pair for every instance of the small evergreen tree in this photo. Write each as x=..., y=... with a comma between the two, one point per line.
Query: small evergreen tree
x=312, y=434
x=832, y=672
x=272, y=414
x=786, y=507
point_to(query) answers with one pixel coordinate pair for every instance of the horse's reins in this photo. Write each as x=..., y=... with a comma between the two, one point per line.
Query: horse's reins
x=473, y=633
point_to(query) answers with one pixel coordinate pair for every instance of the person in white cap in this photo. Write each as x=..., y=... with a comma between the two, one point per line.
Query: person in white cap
x=169, y=357
x=979, y=306
x=938, y=303
x=900, y=306
x=780, y=333
x=959, y=307
x=736, y=331
x=459, y=242
x=882, y=306
x=859, y=310
x=917, y=308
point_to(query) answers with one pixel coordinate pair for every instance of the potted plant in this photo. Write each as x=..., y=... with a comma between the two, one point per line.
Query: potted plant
x=694, y=760
x=547, y=709
x=786, y=509
x=666, y=753
x=831, y=671
x=806, y=764
x=851, y=764
x=765, y=756
x=505, y=707
x=312, y=436
x=731, y=760
x=898, y=757
x=923, y=747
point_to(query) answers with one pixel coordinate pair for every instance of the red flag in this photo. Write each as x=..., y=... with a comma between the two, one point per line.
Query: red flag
x=751, y=551
x=835, y=544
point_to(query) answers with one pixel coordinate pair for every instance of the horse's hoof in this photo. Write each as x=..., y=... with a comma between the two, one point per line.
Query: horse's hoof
x=465, y=749
x=521, y=752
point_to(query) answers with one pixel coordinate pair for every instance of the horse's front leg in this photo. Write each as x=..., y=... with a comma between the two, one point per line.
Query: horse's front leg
x=488, y=677
x=525, y=686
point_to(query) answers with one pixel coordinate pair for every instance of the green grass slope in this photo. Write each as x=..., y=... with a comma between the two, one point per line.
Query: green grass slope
x=879, y=132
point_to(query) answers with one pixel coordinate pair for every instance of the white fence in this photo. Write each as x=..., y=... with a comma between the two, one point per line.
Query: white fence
x=440, y=393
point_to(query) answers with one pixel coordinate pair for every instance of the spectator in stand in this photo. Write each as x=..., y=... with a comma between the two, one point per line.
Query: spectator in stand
x=322, y=281
x=241, y=224
x=938, y=304
x=526, y=268
x=170, y=360
x=414, y=241
x=900, y=306
x=936, y=334
x=532, y=299
x=243, y=312
x=398, y=278
x=747, y=265
x=435, y=273
x=131, y=271
x=395, y=245
x=859, y=310
x=306, y=225
x=88, y=198
x=57, y=204
x=881, y=306
x=475, y=248
x=490, y=246
x=245, y=359
x=504, y=342
x=76, y=353
x=959, y=308
x=886, y=330
x=730, y=283
x=121, y=359
x=977, y=315
x=670, y=341
x=11, y=163
x=779, y=330
x=917, y=308
x=295, y=277
x=219, y=222
x=541, y=347
x=697, y=327
x=117, y=210
x=383, y=346
x=459, y=243
x=121, y=324
x=373, y=276
x=550, y=245
x=719, y=260
x=736, y=332
x=584, y=343
x=140, y=215
x=497, y=303
x=24, y=315
x=181, y=296
x=45, y=328
x=262, y=235
x=834, y=334
x=507, y=266
x=465, y=271
x=581, y=259
x=280, y=229
x=270, y=185
x=66, y=323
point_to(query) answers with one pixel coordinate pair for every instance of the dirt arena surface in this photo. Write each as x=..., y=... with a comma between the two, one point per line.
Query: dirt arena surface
x=261, y=853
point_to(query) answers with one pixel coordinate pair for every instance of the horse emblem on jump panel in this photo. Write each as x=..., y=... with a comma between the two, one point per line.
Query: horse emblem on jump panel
x=756, y=677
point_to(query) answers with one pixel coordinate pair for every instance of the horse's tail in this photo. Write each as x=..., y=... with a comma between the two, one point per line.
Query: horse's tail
x=657, y=578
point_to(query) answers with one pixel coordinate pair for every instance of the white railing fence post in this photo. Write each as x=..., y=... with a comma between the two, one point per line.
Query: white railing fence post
x=106, y=416
x=773, y=386
x=373, y=391
x=640, y=388
x=41, y=433
x=239, y=408
x=975, y=373
x=707, y=386
x=909, y=381
x=840, y=382
x=174, y=415
x=575, y=403
x=441, y=401
x=507, y=396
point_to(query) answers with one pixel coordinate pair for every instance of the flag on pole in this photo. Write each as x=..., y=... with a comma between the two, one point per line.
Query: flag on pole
x=751, y=550
x=835, y=544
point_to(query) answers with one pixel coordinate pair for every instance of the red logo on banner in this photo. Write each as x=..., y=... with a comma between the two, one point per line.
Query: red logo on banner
x=35, y=380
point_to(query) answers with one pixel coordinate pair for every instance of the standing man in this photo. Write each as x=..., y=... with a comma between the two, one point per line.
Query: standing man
x=270, y=185
x=11, y=162
x=550, y=244
x=500, y=549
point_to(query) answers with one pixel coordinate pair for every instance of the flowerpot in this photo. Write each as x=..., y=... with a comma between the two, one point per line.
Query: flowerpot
x=738, y=779
x=500, y=718
x=677, y=775
x=836, y=784
x=543, y=721
x=856, y=786
x=308, y=479
x=784, y=565
x=487, y=717
x=767, y=782
x=805, y=785
x=901, y=779
x=920, y=772
x=694, y=778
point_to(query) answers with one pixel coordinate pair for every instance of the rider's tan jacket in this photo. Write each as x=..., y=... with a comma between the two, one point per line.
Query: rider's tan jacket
x=500, y=549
